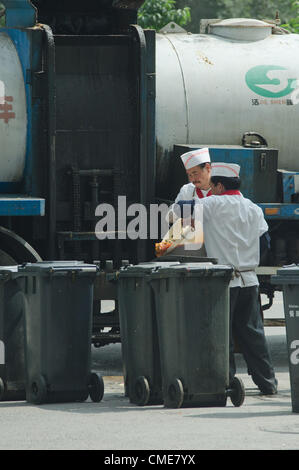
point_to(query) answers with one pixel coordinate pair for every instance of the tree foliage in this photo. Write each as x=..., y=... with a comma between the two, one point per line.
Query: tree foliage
x=154, y=14
x=263, y=9
x=2, y=15
x=293, y=24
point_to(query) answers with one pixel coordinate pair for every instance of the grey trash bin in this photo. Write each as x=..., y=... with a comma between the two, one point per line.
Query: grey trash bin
x=288, y=278
x=138, y=329
x=192, y=307
x=58, y=322
x=12, y=354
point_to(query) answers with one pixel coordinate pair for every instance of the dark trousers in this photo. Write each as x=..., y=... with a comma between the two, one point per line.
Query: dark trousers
x=246, y=326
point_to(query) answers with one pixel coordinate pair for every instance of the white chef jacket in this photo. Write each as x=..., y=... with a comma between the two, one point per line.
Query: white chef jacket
x=187, y=193
x=232, y=227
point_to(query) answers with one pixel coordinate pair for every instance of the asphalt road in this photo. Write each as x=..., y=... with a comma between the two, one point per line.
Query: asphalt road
x=261, y=423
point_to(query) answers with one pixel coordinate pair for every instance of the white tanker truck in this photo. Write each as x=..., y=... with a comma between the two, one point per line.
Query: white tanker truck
x=234, y=88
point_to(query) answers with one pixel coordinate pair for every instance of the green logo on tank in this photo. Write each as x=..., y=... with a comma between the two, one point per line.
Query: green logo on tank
x=270, y=81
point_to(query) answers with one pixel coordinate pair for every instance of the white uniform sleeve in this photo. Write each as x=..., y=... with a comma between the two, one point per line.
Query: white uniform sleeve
x=186, y=194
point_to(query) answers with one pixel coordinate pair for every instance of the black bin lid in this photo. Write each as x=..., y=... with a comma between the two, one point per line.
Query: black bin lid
x=145, y=268
x=196, y=269
x=51, y=266
x=291, y=270
x=11, y=269
x=7, y=272
x=286, y=275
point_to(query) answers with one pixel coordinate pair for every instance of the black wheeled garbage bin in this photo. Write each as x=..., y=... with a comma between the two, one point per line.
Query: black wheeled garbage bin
x=288, y=278
x=58, y=322
x=12, y=354
x=138, y=329
x=192, y=307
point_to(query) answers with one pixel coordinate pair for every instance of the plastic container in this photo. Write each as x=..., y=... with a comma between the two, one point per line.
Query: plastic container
x=58, y=322
x=192, y=307
x=12, y=355
x=288, y=278
x=139, y=338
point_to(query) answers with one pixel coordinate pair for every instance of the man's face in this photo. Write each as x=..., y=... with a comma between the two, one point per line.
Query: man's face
x=200, y=177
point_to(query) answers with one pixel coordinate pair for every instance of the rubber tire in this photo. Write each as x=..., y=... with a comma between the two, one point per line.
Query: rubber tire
x=38, y=390
x=175, y=394
x=84, y=396
x=237, y=394
x=2, y=389
x=96, y=387
x=141, y=391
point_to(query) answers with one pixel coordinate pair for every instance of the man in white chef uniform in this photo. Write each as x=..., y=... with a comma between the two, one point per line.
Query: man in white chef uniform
x=197, y=164
x=232, y=227
x=198, y=168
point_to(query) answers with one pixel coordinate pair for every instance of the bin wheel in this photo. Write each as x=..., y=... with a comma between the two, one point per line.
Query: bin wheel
x=237, y=392
x=84, y=396
x=38, y=390
x=175, y=394
x=96, y=387
x=142, y=391
x=2, y=389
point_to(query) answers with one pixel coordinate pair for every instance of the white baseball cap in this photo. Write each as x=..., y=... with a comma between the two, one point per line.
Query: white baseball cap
x=195, y=157
x=230, y=170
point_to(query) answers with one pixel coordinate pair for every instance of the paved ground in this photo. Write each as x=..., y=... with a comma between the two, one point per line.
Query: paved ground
x=266, y=423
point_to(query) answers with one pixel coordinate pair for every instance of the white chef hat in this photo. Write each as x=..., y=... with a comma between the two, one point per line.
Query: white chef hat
x=230, y=170
x=195, y=157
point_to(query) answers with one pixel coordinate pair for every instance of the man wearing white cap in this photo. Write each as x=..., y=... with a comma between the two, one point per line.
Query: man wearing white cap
x=198, y=168
x=232, y=227
x=197, y=164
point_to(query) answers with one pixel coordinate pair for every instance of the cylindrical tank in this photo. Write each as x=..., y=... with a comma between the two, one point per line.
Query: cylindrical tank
x=13, y=115
x=212, y=88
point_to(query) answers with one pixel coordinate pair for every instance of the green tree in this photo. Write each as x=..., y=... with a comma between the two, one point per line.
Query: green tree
x=2, y=15
x=293, y=24
x=154, y=14
x=263, y=9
